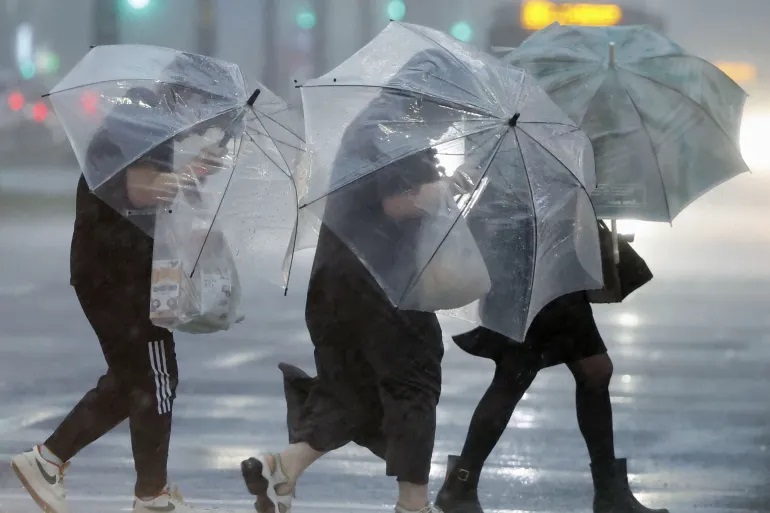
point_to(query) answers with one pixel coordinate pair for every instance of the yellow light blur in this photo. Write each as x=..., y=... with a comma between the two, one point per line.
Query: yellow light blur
x=537, y=14
x=741, y=72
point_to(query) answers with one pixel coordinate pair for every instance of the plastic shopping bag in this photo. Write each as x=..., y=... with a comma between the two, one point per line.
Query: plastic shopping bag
x=202, y=298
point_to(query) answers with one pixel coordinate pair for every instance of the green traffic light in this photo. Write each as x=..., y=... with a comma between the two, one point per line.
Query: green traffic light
x=306, y=19
x=28, y=70
x=138, y=4
x=462, y=31
x=396, y=10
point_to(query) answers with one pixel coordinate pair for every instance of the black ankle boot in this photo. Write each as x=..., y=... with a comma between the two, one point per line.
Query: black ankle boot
x=612, y=493
x=459, y=493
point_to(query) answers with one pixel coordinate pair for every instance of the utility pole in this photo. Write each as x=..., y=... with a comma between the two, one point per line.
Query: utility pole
x=366, y=15
x=105, y=22
x=207, y=27
x=272, y=73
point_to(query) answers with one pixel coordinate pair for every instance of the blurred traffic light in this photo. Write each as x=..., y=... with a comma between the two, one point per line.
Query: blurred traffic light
x=306, y=18
x=396, y=10
x=47, y=62
x=89, y=101
x=462, y=30
x=16, y=101
x=27, y=69
x=39, y=112
x=138, y=5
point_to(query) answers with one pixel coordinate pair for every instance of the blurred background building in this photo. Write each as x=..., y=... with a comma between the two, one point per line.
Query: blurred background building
x=283, y=41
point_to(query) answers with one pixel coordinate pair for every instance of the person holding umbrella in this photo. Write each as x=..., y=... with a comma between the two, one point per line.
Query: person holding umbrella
x=378, y=367
x=664, y=126
x=111, y=263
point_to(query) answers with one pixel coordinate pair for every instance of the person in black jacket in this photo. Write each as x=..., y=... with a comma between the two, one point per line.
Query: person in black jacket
x=111, y=264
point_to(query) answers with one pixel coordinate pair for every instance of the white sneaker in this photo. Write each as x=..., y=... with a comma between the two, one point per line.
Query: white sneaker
x=169, y=500
x=427, y=509
x=264, y=484
x=43, y=480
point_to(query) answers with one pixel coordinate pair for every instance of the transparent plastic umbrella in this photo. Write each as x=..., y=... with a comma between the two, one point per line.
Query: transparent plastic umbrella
x=664, y=124
x=122, y=103
x=515, y=168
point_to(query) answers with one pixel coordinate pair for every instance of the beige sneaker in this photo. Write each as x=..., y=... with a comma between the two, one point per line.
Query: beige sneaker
x=43, y=480
x=427, y=509
x=169, y=500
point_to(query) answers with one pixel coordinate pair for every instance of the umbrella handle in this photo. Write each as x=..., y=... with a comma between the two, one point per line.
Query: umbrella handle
x=615, y=248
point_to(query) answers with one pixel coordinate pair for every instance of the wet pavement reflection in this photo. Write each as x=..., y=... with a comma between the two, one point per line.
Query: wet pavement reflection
x=692, y=368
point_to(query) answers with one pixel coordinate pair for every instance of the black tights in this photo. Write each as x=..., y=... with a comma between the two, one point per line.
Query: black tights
x=514, y=373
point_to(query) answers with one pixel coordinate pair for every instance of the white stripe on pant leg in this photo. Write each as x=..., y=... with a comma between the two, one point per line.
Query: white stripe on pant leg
x=157, y=377
x=165, y=393
x=167, y=376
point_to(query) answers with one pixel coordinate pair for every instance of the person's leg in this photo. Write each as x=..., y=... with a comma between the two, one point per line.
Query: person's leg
x=152, y=387
x=324, y=413
x=105, y=406
x=405, y=350
x=101, y=409
x=594, y=410
x=592, y=368
x=515, y=369
x=142, y=362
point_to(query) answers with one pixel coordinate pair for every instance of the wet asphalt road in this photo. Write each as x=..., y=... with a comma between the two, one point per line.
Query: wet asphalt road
x=692, y=372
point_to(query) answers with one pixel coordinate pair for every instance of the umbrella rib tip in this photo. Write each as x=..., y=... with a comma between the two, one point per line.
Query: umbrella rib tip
x=514, y=120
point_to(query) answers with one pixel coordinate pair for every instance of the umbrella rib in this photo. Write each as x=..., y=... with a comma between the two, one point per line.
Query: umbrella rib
x=400, y=158
x=296, y=218
x=100, y=82
x=475, y=188
x=577, y=77
x=652, y=147
x=275, y=139
x=690, y=100
x=219, y=207
x=454, y=85
x=276, y=164
x=534, y=216
x=687, y=56
x=576, y=128
x=557, y=159
x=281, y=125
x=437, y=99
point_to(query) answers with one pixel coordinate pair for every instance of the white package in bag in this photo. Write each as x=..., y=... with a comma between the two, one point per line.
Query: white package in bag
x=202, y=298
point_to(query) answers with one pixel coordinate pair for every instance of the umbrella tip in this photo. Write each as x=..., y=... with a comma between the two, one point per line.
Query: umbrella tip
x=253, y=98
x=514, y=120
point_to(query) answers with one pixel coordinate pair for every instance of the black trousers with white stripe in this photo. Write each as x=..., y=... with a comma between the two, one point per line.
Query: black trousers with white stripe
x=139, y=384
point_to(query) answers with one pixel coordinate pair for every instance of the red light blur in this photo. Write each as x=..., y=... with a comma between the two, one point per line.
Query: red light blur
x=40, y=112
x=89, y=100
x=16, y=101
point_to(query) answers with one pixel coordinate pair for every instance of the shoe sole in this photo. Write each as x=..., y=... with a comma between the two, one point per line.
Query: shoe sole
x=31, y=491
x=253, y=475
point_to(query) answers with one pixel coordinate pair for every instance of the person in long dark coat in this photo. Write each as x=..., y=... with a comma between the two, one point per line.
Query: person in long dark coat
x=379, y=368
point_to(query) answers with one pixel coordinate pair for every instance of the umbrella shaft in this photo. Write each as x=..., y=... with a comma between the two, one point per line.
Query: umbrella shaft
x=615, y=249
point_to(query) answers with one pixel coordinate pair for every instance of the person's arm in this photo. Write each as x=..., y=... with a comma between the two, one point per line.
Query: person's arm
x=147, y=186
x=414, y=204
